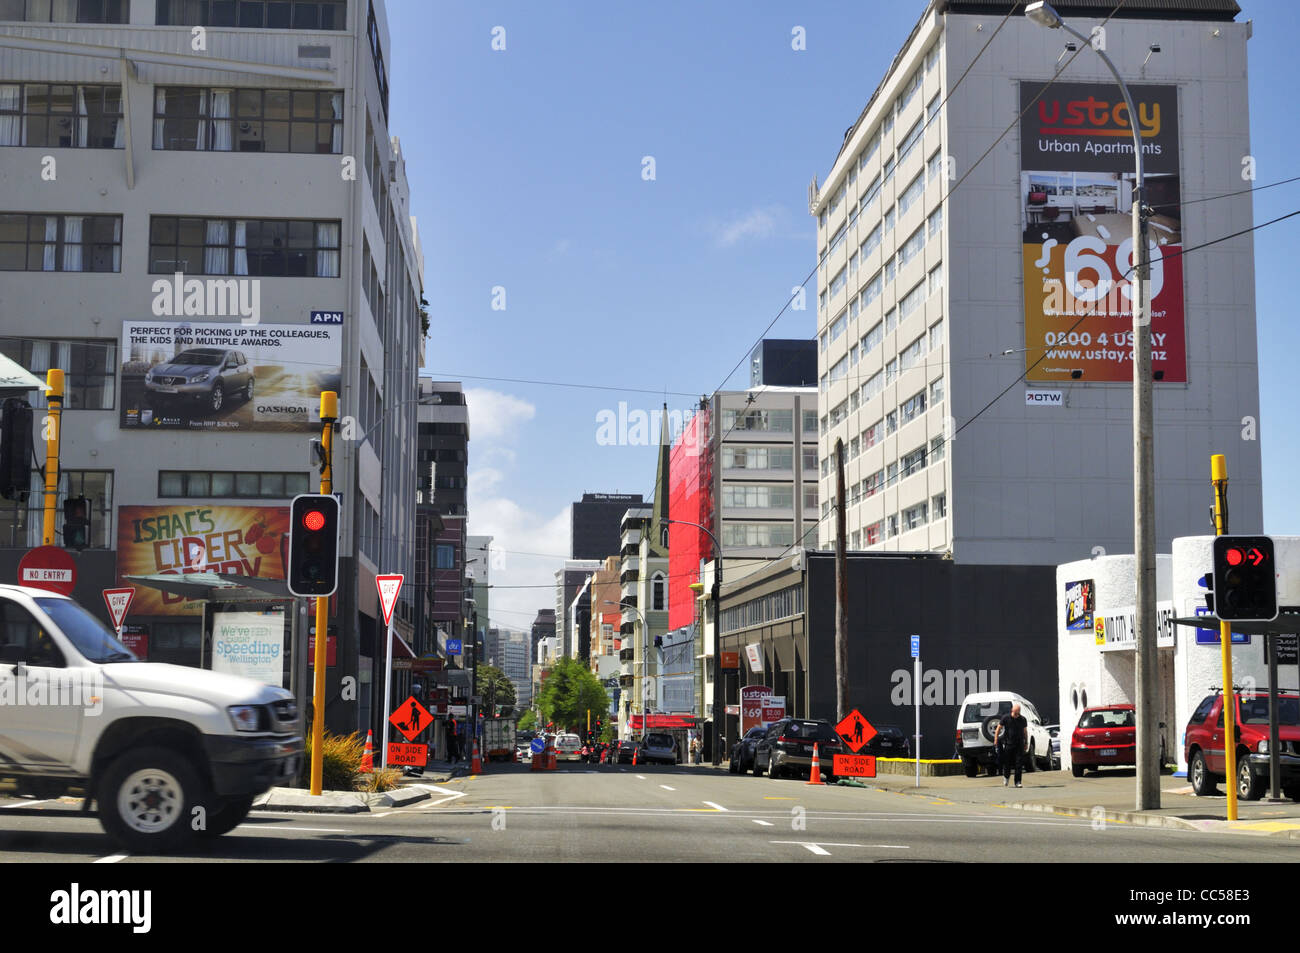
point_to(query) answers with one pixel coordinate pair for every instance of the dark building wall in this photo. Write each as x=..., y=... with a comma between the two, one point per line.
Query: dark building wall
x=595, y=524
x=784, y=363
x=981, y=628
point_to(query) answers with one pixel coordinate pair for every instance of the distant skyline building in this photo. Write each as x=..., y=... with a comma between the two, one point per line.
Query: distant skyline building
x=595, y=524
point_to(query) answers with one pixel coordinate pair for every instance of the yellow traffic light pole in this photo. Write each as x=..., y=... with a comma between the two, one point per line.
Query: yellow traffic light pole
x=54, y=411
x=1219, y=477
x=329, y=412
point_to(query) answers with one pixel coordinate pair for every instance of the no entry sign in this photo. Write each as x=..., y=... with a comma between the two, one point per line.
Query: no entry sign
x=48, y=567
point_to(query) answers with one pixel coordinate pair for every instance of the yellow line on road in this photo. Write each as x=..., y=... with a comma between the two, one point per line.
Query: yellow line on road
x=768, y=797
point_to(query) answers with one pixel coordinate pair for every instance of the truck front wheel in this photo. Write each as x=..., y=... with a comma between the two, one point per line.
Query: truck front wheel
x=146, y=798
x=225, y=815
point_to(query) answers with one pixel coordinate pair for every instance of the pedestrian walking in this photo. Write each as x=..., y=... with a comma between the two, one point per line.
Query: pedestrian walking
x=453, y=743
x=695, y=751
x=1011, y=737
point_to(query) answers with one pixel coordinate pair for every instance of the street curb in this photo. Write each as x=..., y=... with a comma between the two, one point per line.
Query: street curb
x=399, y=798
x=327, y=802
x=1120, y=817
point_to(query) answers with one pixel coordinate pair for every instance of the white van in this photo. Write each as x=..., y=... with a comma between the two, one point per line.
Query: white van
x=977, y=720
x=165, y=751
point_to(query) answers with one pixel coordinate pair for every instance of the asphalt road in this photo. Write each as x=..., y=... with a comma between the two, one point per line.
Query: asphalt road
x=648, y=814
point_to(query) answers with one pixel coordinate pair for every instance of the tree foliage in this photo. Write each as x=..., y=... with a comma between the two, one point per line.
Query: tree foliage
x=528, y=721
x=569, y=692
x=497, y=691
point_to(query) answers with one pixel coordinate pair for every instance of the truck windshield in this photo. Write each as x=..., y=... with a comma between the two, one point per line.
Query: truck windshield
x=94, y=640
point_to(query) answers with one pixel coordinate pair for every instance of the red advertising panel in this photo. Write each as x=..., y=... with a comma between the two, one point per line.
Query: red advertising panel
x=751, y=706
x=177, y=540
x=1077, y=184
x=136, y=638
x=689, y=499
x=331, y=650
x=772, y=713
x=414, y=755
x=853, y=766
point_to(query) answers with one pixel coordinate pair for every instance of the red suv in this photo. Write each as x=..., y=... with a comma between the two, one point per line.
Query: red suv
x=1203, y=744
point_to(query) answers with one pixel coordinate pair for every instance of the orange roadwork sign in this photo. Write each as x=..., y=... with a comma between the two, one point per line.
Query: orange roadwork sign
x=410, y=719
x=854, y=766
x=856, y=732
x=398, y=753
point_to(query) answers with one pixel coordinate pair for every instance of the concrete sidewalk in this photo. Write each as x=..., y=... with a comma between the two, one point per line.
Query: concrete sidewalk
x=1108, y=796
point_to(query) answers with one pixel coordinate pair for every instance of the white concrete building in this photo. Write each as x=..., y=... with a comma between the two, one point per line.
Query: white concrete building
x=205, y=220
x=946, y=272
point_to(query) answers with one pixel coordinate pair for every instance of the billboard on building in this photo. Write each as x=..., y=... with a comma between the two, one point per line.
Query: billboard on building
x=223, y=376
x=249, y=644
x=690, y=499
x=1076, y=192
x=173, y=540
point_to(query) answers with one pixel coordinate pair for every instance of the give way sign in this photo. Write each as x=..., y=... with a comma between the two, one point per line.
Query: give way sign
x=118, y=602
x=389, y=586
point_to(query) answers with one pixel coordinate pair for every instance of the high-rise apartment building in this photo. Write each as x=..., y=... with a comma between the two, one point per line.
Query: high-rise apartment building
x=961, y=247
x=205, y=222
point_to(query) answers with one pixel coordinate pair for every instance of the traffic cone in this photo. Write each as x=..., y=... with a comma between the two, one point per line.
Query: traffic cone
x=815, y=775
x=635, y=751
x=368, y=756
x=551, y=759
x=475, y=765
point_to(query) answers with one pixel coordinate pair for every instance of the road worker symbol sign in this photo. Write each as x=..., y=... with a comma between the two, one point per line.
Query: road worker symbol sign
x=855, y=730
x=411, y=718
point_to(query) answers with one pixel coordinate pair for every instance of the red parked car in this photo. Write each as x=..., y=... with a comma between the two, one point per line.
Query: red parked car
x=1206, y=764
x=1106, y=735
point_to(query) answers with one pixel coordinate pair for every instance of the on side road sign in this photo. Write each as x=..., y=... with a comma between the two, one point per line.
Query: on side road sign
x=416, y=755
x=853, y=766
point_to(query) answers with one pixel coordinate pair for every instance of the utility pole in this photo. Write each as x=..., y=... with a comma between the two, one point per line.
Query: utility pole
x=54, y=410
x=1219, y=477
x=841, y=591
x=329, y=412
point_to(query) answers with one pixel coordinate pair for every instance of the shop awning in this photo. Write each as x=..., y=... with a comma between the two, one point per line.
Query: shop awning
x=12, y=375
x=215, y=586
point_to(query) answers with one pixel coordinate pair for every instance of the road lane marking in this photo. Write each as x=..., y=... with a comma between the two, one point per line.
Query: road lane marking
x=111, y=859
x=310, y=830
x=640, y=777
x=667, y=788
x=817, y=850
x=716, y=807
x=818, y=847
x=764, y=823
x=768, y=797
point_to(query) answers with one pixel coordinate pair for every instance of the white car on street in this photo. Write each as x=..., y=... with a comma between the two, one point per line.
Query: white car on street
x=977, y=723
x=568, y=748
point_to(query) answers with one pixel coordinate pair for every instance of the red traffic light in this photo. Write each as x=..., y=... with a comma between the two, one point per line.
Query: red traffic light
x=1234, y=556
x=314, y=520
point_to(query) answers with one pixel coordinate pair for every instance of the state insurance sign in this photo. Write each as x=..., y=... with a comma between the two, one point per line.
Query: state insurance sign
x=1076, y=198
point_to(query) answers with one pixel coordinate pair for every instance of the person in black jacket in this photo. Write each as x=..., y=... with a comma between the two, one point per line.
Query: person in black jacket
x=1011, y=737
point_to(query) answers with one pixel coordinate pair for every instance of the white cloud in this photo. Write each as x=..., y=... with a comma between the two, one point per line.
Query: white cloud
x=527, y=549
x=756, y=223
x=494, y=415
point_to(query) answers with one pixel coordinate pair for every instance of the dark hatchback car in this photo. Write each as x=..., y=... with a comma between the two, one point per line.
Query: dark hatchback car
x=787, y=748
x=623, y=751
x=742, y=752
x=889, y=742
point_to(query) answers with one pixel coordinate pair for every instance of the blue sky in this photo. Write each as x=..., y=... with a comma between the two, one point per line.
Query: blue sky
x=526, y=170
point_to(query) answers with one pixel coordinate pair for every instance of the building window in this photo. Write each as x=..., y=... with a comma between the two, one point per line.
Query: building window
x=913, y=407
x=939, y=505
x=771, y=421
x=937, y=449
x=912, y=300
x=838, y=282
x=891, y=525
x=38, y=242
x=914, y=517
x=839, y=370
x=875, y=383
x=934, y=280
x=204, y=484
x=911, y=355
x=837, y=327
x=658, y=599
x=843, y=230
x=90, y=367
x=445, y=555
x=869, y=151
x=855, y=446
x=891, y=320
x=871, y=436
x=910, y=140
x=871, y=340
x=839, y=412
x=912, y=194
x=61, y=116
x=22, y=523
x=761, y=496
x=810, y=496
x=248, y=120
x=935, y=221
x=872, y=484
x=889, y=220
x=910, y=89
x=891, y=422
x=65, y=11
x=932, y=108
x=891, y=371
x=854, y=307
x=257, y=247
x=809, y=458
x=871, y=242
x=913, y=462
x=869, y=196
x=936, y=392
x=891, y=474
x=758, y=458
x=912, y=247
x=254, y=14
x=871, y=535
x=757, y=534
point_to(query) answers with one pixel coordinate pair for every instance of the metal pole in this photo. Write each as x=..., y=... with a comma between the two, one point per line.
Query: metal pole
x=841, y=592
x=54, y=410
x=388, y=687
x=329, y=412
x=1219, y=476
x=916, y=703
x=1274, y=767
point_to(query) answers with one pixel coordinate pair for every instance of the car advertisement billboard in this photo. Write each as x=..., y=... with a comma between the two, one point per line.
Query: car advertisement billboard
x=223, y=376
x=1076, y=195
x=173, y=540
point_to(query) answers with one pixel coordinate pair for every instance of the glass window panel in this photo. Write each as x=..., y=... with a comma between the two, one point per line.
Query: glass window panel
x=295, y=483
x=171, y=483
x=278, y=15
x=272, y=484
x=248, y=103
x=275, y=136
x=198, y=484
x=223, y=484
x=251, y=13
x=247, y=484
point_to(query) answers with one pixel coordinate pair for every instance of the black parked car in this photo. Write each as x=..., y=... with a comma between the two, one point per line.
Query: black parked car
x=787, y=748
x=742, y=752
x=622, y=754
x=889, y=742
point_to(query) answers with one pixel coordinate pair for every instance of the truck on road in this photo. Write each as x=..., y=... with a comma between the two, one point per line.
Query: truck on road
x=499, y=738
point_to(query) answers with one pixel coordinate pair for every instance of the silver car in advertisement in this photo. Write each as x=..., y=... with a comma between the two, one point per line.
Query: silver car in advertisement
x=209, y=376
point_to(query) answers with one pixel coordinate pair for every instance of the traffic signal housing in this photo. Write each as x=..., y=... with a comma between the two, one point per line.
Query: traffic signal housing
x=15, y=449
x=313, y=545
x=1245, y=579
x=76, y=522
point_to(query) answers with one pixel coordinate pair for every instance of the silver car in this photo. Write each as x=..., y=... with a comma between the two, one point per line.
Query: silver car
x=659, y=747
x=208, y=375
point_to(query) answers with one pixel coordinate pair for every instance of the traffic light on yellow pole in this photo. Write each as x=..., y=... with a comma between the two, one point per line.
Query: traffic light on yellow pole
x=54, y=411
x=329, y=412
x=1219, y=477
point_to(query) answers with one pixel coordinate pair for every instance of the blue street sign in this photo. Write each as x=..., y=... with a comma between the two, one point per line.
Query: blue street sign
x=916, y=646
x=537, y=745
x=1211, y=636
x=453, y=646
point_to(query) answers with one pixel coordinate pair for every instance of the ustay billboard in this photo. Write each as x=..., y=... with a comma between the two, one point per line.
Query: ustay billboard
x=1076, y=191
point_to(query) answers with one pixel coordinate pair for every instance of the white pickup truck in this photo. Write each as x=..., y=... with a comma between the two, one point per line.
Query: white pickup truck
x=167, y=752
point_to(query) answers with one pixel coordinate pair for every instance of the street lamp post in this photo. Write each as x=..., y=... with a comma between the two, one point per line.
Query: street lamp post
x=645, y=662
x=718, y=704
x=1144, y=544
